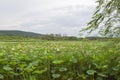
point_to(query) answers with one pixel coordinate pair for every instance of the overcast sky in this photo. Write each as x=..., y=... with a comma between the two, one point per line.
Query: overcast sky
x=46, y=16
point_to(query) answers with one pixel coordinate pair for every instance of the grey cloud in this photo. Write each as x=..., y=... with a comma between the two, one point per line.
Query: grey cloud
x=11, y=6
x=73, y=18
x=34, y=23
x=45, y=16
x=78, y=18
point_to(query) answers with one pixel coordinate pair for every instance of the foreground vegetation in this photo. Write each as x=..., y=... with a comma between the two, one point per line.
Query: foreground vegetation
x=60, y=60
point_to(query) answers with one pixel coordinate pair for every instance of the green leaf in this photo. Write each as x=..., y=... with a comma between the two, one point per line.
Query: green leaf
x=91, y=72
x=7, y=68
x=1, y=76
x=102, y=75
x=55, y=75
x=40, y=71
x=34, y=63
x=63, y=69
x=105, y=66
x=58, y=61
x=115, y=69
x=99, y=78
x=74, y=60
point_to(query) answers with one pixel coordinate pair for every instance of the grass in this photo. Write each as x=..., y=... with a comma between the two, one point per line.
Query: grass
x=60, y=60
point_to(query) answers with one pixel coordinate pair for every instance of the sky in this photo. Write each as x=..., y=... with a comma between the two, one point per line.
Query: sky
x=66, y=17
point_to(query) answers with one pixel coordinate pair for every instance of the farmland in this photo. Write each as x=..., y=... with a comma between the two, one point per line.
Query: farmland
x=60, y=60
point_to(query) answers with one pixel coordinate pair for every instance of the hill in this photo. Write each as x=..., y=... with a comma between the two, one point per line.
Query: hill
x=18, y=33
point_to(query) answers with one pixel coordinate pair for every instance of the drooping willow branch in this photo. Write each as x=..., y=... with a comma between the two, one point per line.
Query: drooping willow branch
x=106, y=18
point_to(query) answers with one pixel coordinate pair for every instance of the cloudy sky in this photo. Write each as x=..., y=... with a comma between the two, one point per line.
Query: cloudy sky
x=46, y=16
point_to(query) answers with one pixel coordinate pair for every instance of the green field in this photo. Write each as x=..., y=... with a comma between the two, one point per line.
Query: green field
x=60, y=60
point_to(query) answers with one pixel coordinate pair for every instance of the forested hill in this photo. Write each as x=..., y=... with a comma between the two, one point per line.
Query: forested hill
x=18, y=33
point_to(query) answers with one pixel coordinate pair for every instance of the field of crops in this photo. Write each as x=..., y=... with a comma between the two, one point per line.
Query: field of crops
x=60, y=60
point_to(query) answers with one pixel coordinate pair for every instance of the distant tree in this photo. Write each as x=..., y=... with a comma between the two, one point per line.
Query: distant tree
x=106, y=18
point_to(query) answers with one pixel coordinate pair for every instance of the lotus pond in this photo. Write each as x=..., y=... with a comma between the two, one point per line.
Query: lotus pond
x=60, y=60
